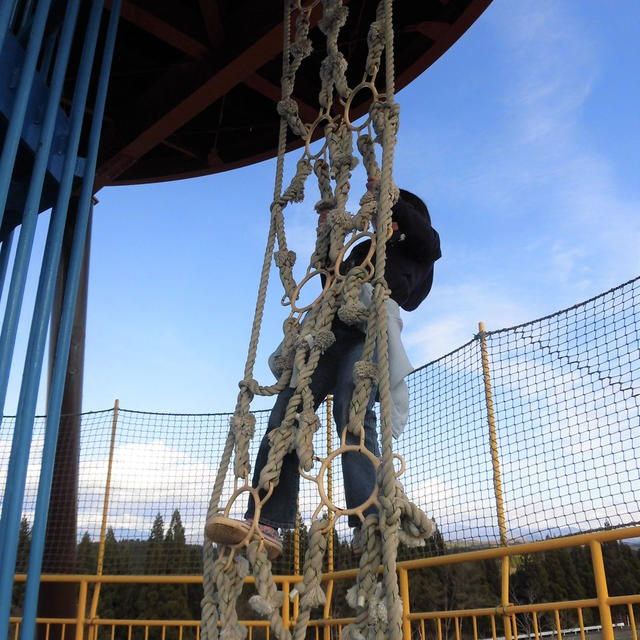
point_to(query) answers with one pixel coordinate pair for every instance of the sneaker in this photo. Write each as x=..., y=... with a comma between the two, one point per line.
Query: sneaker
x=357, y=542
x=272, y=540
x=229, y=531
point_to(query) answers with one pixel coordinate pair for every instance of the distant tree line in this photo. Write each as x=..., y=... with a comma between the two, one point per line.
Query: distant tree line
x=552, y=576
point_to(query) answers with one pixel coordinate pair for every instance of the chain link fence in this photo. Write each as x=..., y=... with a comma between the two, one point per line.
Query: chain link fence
x=565, y=394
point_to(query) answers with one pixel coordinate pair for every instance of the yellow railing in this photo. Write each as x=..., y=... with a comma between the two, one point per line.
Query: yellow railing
x=504, y=617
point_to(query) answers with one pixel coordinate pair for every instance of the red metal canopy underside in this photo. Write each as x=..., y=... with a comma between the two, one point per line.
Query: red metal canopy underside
x=195, y=83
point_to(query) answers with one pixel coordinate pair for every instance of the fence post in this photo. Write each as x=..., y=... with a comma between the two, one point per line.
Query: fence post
x=403, y=578
x=103, y=529
x=602, y=591
x=286, y=607
x=82, y=606
x=296, y=559
x=327, y=606
x=497, y=481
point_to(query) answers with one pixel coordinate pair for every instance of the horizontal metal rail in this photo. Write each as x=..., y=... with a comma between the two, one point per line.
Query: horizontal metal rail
x=504, y=612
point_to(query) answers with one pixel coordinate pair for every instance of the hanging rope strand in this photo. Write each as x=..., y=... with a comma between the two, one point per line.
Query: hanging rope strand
x=378, y=606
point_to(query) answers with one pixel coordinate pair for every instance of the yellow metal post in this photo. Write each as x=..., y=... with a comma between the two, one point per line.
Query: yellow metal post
x=403, y=584
x=330, y=476
x=497, y=481
x=296, y=543
x=493, y=440
x=329, y=593
x=602, y=591
x=632, y=622
x=296, y=559
x=286, y=611
x=82, y=607
x=581, y=624
x=105, y=510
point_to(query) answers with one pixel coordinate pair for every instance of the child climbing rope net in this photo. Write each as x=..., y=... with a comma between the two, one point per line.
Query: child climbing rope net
x=339, y=343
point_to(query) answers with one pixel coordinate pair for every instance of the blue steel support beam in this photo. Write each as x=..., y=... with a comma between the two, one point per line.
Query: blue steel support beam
x=22, y=433
x=6, y=11
x=16, y=120
x=64, y=333
x=42, y=309
x=5, y=252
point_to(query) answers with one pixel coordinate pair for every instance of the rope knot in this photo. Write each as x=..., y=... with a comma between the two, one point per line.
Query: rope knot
x=278, y=205
x=384, y=114
x=353, y=312
x=365, y=370
x=375, y=42
x=284, y=258
x=301, y=47
x=334, y=17
x=308, y=424
x=324, y=339
x=305, y=343
x=295, y=191
x=282, y=363
x=340, y=220
x=243, y=425
x=249, y=387
x=288, y=108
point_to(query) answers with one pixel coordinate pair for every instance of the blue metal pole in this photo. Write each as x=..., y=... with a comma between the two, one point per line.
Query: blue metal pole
x=24, y=22
x=6, y=13
x=30, y=213
x=5, y=252
x=22, y=433
x=64, y=333
x=47, y=53
x=16, y=120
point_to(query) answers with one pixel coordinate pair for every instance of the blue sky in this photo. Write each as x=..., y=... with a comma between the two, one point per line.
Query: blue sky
x=523, y=139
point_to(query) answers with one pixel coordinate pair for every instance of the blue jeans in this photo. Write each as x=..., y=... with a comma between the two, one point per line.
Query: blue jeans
x=333, y=375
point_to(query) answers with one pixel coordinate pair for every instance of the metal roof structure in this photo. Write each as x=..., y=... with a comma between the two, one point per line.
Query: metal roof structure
x=194, y=84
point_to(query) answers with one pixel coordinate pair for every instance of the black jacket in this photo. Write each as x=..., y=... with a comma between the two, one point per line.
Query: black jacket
x=411, y=252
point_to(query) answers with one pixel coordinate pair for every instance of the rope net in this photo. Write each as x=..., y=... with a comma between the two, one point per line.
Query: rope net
x=566, y=397
x=309, y=333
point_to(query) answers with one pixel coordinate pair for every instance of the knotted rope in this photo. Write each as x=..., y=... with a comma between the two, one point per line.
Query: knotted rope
x=377, y=604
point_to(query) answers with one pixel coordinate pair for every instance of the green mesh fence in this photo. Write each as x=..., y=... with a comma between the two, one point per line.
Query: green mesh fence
x=566, y=402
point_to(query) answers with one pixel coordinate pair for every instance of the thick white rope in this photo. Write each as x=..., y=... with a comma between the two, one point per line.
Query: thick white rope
x=398, y=519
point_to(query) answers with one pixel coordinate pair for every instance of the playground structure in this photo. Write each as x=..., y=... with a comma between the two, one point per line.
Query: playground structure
x=563, y=393
x=169, y=70
x=142, y=157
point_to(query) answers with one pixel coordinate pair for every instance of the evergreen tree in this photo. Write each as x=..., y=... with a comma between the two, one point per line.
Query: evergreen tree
x=22, y=563
x=87, y=555
x=623, y=574
x=24, y=546
x=155, y=560
x=175, y=547
x=530, y=584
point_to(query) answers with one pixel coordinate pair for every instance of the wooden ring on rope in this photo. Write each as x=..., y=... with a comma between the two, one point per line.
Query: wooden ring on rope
x=366, y=263
x=324, y=500
x=403, y=465
x=309, y=137
x=311, y=273
x=308, y=7
x=347, y=106
x=253, y=530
